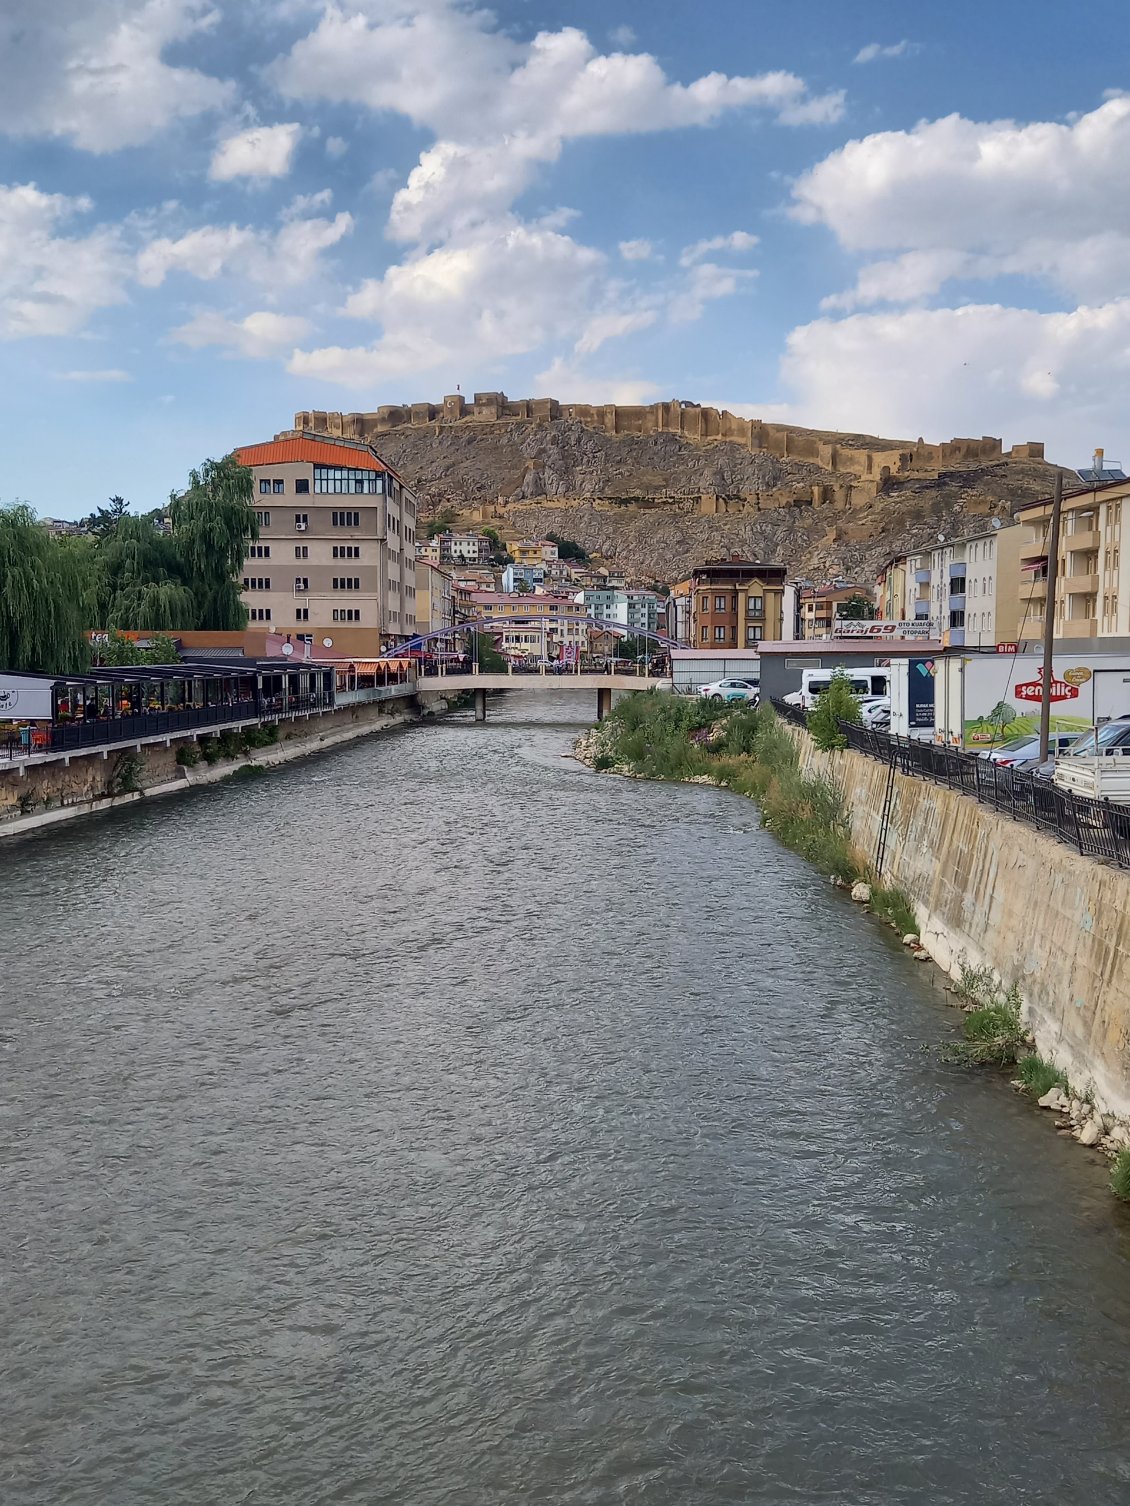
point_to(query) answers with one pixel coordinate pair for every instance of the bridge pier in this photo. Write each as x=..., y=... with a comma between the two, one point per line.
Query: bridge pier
x=480, y=705
x=603, y=702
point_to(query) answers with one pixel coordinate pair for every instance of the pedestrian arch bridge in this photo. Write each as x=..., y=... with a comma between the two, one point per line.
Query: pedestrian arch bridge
x=482, y=684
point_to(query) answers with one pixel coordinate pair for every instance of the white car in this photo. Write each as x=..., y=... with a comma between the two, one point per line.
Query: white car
x=731, y=690
x=875, y=709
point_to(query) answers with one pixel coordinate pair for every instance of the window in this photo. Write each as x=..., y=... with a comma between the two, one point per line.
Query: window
x=347, y=551
x=719, y=635
x=705, y=632
x=331, y=478
x=302, y=551
x=302, y=614
x=346, y=519
x=347, y=583
x=278, y=487
x=704, y=604
x=302, y=486
x=256, y=583
x=302, y=520
x=346, y=614
x=754, y=634
x=259, y=614
x=719, y=603
x=302, y=583
x=756, y=607
x=263, y=519
x=264, y=486
x=259, y=552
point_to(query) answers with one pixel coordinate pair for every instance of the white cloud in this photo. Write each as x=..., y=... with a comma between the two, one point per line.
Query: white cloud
x=636, y=250
x=622, y=36
x=93, y=71
x=260, y=152
x=336, y=146
x=258, y=336
x=1060, y=377
x=283, y=258
x=737, y=240
x=51, y=283
x=501, y=109
x=707, y=283
x=1047, y=200
x=875, y=50
x=613, y=325
x=504, y=292
x=106, y=374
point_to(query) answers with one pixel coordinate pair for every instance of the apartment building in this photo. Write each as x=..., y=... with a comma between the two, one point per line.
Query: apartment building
x=967, y=589
x=819, y=606
x=538, y=626
x=337, y=541
x=435, y=597
x=736, y=603
x=463, y=549
x=1093, y=587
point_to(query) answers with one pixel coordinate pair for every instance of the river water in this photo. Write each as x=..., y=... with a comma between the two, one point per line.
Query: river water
x=436, y=1123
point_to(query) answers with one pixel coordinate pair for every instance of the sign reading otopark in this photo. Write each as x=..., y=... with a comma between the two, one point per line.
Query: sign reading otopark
x=854, y=627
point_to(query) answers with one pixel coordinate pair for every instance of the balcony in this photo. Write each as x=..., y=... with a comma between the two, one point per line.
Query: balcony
x=1079, y=585
x=1079, y=627
x=956, y=637
x=957, y=601
x=1035, y=589
x=922, y=577
x=957, y=570
x=1087, y=539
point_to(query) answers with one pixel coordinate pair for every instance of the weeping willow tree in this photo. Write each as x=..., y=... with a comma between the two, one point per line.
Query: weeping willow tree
x=213, y=523
x=141, y=579
x=46, y=596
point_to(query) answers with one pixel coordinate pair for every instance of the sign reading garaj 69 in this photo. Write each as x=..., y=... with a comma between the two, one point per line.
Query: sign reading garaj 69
x=857, y=627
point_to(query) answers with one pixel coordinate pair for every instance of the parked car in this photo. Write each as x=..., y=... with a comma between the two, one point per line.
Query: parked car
x=1112, y=737
x=1024, y=748
x=875, y=711
x=731, y=690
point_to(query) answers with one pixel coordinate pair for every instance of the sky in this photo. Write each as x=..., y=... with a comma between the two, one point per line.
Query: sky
x=894, y=218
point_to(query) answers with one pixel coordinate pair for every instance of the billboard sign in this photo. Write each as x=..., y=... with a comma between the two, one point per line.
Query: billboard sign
x=920, y=708
x=859, y=627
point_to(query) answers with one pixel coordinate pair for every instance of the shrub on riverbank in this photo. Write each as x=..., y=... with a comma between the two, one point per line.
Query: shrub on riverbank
x=1038, y=1076
x=893, y=906
x=1120, y=1176
x=837, y=704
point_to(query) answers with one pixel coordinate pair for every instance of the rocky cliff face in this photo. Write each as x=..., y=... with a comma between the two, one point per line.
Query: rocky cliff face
x=635, y=499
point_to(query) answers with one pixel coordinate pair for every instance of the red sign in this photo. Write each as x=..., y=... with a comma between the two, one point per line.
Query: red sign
x=1032, y=689
x=1008, y=648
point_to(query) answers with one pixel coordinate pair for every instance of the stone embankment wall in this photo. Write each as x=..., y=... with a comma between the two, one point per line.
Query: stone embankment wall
x=42, y=795
x=863, y=457
x=992, y=892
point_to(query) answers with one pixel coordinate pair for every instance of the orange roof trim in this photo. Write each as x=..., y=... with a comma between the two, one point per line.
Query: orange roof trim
x=312, y=451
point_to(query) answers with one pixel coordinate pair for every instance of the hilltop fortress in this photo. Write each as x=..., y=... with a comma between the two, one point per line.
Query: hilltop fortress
x=856, y=468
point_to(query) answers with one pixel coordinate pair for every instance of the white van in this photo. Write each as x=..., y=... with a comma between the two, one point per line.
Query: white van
x=865, y=682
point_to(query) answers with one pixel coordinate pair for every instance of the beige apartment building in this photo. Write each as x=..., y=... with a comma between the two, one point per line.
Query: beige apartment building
x=337, y=542
x=1093, y=587
x=435, y=597
x=966, y=589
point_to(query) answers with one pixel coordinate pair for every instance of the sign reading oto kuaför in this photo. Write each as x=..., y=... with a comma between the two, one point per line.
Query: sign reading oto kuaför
x=858, y=627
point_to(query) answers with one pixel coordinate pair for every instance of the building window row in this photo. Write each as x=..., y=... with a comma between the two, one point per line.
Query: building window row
x=302, y=551
x=263, y=519
x=347, y=583
x=277, y=488
x=346, y=519
x=347, y=551
x=256, y=582
x=337, y=479
x=302, y=614
x=346, y=614
x=259, y=552
x=259, y=614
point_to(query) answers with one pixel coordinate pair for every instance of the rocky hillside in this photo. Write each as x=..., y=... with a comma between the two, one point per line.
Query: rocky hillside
x=633, y=499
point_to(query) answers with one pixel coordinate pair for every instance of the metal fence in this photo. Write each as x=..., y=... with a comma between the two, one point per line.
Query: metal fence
x=1096, y=828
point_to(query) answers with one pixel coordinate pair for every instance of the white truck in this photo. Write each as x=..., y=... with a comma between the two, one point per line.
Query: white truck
x=1098, y=766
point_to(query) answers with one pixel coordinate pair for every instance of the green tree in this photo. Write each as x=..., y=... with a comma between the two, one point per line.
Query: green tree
x=837, y=704
x=104, y=520
x=45, y=597
x=858, y=607
x=141, y=579
x=213, y=522
x=491, y=662
x=568, y=549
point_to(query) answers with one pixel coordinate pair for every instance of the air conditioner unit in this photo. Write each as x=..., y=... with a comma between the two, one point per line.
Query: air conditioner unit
x=301, y=527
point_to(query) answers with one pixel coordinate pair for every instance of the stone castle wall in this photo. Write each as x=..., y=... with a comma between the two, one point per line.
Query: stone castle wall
x=874, y=460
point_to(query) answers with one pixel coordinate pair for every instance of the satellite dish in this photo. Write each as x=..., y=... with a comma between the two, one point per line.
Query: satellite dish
x=996, y=522
x=941, y=538
x=288, y=649
x=327, y=643
x=272, y=629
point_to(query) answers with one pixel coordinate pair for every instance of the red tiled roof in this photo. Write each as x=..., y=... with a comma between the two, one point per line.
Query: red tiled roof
x=313, y=451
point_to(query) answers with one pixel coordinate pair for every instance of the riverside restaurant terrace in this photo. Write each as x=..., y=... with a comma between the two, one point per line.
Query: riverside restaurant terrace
x=45, y=714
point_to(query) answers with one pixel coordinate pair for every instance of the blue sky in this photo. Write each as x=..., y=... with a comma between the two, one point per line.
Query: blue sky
x=904, y=219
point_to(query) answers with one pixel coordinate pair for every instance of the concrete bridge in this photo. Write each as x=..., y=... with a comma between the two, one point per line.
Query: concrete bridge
x=604, y=684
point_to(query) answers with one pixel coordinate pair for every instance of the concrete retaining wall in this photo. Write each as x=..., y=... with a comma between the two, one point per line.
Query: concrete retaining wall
x=992, y=892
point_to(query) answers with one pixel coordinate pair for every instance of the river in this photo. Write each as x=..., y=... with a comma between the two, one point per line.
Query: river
x=437, y=1123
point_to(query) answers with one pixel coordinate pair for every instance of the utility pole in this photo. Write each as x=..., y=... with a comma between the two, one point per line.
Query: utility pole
x=1049, y=618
